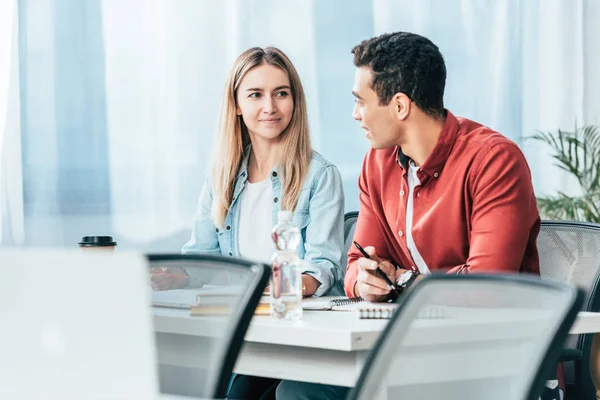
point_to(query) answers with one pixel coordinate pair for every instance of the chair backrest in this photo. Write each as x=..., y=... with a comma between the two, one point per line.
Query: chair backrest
x=513, y=328
x=350, y=219
x=570, y=252
x=227, y=308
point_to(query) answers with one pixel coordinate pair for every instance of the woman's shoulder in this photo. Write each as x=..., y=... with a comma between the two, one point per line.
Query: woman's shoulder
x=317, y=161
x=319, y=167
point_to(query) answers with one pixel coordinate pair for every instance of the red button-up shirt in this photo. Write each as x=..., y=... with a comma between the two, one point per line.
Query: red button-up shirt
x=474, y=210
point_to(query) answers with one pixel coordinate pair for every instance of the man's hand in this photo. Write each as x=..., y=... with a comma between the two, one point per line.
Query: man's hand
x=166, y=278
x=369, y=285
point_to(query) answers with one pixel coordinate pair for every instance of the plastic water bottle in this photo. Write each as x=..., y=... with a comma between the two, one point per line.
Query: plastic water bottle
x=286, y=279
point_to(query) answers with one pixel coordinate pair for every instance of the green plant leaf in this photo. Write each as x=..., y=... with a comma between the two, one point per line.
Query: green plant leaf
x=577, y=153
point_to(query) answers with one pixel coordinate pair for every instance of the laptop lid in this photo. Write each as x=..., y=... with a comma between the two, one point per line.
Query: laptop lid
x=75, y=326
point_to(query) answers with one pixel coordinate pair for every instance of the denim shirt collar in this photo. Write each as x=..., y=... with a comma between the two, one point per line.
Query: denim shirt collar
x=243, y=170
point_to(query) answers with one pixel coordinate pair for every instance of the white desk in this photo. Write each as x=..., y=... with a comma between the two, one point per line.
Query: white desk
x=330, y=347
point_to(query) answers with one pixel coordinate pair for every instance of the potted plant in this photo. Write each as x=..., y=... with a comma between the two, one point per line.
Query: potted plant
x=578, y=153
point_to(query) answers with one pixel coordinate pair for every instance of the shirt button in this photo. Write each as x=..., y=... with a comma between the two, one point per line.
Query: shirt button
x=228, y=227
x=275, y=199
x=402, y=193
x=217, y=230
x=274, y=174
x=230, y=253
x=435, y=175
x=400, y=233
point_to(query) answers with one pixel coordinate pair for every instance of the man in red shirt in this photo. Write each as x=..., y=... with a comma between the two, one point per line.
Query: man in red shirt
x=438, y=193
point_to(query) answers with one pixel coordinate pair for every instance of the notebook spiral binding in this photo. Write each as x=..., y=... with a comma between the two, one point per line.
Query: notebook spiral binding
x=375, y=313
x=345, y=302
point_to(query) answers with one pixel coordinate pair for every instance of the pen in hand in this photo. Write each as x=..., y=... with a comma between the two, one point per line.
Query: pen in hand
x=378, y=270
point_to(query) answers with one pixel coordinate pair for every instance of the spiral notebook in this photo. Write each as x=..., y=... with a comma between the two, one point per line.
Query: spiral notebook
x=365, y=309
x=336, y=304
x=387, y=310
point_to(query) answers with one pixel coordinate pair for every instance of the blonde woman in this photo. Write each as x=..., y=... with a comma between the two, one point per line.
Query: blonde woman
x=264, y=163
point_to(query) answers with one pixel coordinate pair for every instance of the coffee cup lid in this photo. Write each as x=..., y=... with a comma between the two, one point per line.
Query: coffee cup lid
x=97, y=241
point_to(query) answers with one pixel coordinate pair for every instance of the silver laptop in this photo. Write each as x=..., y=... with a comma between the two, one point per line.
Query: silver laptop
x=75, y=326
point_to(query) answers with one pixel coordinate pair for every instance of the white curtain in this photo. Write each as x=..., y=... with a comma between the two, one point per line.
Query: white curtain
x=119, y=98
x=164, y=83
x=11, y=198
x=516, y=66
x=562, y=78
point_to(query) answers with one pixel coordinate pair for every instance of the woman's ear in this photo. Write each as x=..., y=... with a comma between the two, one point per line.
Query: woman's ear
x=402, y=105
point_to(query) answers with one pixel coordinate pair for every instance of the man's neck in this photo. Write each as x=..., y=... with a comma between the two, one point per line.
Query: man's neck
x=420, y=139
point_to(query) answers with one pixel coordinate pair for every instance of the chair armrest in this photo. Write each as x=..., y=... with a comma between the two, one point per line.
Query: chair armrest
x=570, y=355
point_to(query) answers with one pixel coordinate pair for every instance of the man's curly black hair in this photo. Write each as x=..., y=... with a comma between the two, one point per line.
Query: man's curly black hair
x=407, y=63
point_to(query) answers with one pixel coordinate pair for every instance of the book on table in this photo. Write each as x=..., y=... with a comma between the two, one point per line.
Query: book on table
x=222, y=305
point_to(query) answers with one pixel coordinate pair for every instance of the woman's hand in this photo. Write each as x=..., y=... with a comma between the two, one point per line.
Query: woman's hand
x=166, y=278
x=311, y=285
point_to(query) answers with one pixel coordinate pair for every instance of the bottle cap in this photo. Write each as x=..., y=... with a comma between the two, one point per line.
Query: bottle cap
x=285, y=215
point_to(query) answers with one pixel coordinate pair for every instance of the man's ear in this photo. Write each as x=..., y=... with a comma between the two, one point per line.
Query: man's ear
x=402, y=105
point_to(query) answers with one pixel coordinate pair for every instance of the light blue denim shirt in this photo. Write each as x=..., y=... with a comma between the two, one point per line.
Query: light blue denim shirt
x=319, y=215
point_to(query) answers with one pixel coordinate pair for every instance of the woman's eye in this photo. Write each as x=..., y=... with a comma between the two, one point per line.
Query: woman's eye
x=255, y=95
x=281, y=94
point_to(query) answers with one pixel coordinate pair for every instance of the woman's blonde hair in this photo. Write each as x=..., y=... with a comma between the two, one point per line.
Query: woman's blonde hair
x=233, y=138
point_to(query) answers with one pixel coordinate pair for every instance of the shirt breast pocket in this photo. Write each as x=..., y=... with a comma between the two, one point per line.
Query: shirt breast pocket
x=301, y=213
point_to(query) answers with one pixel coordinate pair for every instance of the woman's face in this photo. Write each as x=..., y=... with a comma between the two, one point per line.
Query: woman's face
x=265, y=103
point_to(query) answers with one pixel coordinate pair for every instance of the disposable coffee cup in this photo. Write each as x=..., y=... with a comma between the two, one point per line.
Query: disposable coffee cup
x=97, y=243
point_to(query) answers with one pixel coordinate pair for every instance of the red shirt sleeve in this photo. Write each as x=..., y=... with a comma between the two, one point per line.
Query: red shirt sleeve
x=504, y=212
x=368, y=230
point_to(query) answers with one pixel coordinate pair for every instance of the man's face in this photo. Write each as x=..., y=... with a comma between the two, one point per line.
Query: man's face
x=379, y=122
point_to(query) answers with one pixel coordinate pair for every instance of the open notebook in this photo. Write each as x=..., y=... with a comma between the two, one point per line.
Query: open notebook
x=365, y=309
x=331, y=304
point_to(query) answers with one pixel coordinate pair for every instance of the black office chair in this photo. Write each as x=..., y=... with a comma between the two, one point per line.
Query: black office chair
x=530, y=317
x=349, y=226
x=570, y=252
x=242, y=283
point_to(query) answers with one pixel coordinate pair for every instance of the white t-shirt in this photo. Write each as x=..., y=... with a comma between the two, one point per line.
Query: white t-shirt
x=256, y=221
x=413, y=180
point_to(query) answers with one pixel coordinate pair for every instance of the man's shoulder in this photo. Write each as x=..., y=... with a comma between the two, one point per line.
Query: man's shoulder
x=486, y=150
x=479, y=138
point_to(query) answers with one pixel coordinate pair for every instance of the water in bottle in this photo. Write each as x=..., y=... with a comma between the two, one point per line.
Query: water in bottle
x=286, y=279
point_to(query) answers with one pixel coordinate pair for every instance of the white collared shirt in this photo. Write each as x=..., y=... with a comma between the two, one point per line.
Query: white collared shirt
x=413, y=181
